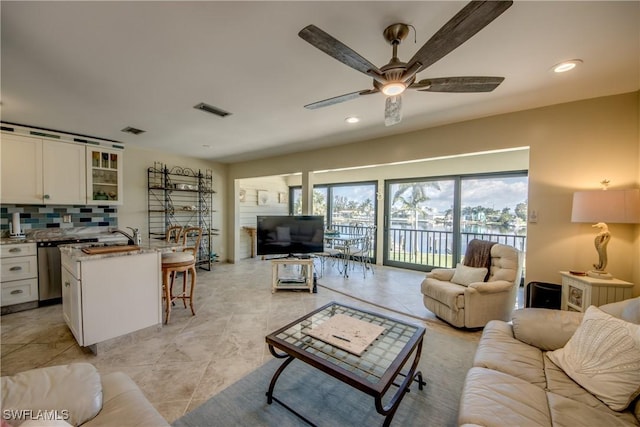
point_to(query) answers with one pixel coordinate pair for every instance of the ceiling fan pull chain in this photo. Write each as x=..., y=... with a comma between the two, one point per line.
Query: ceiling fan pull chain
x=415, y=34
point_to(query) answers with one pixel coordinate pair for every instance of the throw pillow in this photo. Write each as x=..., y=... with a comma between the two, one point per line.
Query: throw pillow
x=467, y=275
x=603, y=356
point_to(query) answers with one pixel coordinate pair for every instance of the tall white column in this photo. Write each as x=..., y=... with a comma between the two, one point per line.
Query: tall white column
x=307, y=193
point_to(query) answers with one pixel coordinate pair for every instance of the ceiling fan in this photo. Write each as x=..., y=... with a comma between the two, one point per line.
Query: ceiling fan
x=395, y=77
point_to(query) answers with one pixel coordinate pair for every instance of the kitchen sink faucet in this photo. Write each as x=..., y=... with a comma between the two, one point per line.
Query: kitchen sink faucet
x=134, y=238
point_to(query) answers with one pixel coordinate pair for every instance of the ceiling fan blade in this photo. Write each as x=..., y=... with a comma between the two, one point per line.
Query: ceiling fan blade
x=337, y=49
x=471, y=19
x=458, y=84
x=339, y=99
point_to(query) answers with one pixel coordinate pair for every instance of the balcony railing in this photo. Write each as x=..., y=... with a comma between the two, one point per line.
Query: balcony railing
x=435, y=248
x=431, y=248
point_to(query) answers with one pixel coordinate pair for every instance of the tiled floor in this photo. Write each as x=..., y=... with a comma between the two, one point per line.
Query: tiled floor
x=181, y=365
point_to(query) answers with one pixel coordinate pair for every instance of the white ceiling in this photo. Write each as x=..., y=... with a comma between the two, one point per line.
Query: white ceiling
x=94, y=68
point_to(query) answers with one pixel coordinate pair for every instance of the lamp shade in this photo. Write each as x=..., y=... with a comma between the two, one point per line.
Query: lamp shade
x=609, y=206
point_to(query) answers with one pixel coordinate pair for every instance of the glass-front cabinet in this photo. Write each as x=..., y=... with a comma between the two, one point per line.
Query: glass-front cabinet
x=104, y=176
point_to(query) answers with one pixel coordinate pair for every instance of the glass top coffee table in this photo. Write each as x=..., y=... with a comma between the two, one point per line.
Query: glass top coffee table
x=374, y=372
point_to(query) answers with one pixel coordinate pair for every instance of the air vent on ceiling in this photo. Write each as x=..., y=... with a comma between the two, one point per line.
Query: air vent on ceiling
x=211, y=109
x=133, y=130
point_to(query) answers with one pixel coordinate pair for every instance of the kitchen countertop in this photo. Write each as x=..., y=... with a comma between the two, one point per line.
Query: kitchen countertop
x=52, y=235
x=74, y=250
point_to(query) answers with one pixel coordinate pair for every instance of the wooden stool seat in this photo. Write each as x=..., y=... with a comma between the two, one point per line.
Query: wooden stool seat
x=180, y=262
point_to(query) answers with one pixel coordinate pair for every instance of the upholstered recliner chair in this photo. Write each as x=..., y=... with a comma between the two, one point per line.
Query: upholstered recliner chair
x=469, y=296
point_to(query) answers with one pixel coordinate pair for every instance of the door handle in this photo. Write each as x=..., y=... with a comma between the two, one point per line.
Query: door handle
x=16, y=268
x=16, y=292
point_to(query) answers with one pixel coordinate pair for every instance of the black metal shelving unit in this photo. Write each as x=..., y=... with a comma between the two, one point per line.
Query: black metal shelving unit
x=182, y=196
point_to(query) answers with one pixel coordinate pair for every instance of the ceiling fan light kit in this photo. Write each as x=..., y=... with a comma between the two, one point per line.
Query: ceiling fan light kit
x=395, y=77
x=393, y=88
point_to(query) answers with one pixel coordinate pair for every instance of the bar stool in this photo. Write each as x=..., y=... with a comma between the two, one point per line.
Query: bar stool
x=181, y=262
x=173, y=233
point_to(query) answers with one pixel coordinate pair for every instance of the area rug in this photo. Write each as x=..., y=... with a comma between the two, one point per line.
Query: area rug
x=328, y=402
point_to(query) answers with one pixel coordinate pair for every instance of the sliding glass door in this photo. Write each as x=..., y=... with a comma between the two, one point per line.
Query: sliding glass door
x=419, y=223
x=346, y=207
x=430, y=221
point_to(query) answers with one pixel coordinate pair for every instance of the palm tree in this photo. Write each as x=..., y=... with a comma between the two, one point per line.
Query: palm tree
x=412, y=196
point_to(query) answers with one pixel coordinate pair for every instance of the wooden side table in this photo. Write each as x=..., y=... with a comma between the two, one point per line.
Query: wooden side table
x=579, y=292
x=252, y=235
x=301, y=279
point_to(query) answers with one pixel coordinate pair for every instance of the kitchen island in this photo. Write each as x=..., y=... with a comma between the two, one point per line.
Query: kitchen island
x=111, y=294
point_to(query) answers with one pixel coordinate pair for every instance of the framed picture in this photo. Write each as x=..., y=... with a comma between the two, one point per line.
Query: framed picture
x=282, y=197
x=263, y=197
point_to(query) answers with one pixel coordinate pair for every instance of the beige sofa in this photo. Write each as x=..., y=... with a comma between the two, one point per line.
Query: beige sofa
x=459, y=298
x=75, y=394
x=514, y=381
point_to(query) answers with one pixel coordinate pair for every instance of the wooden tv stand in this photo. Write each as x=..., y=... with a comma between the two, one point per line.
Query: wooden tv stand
x=303, y=278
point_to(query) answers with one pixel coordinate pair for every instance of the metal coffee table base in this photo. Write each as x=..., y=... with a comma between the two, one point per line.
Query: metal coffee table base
x=388, y=410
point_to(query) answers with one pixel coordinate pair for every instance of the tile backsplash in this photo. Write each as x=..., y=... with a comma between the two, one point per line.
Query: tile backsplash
x=37, y=217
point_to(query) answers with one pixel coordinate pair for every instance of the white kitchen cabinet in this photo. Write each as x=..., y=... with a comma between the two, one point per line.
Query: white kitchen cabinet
x=18, y=274
x=21, y=159
x=104, y=176
x=64, y=175
x=72, y=303
x=38, y=171
x=106, y=297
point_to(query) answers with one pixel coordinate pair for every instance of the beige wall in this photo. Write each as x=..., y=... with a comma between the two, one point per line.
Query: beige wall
x=133, y=213
x=572, y=146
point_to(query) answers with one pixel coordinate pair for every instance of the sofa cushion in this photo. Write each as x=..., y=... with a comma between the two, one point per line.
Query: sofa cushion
x=603, y=356
x=492, y=398
x=499, y=350
x=568, y=412
x=560, y=384
x=628, y=310
x=75, y=388
x=532, y=325
x=467, y=275
x=125, y=405
x=447, y=293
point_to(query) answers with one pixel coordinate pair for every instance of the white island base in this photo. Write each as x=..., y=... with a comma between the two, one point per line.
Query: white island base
x=106, y=297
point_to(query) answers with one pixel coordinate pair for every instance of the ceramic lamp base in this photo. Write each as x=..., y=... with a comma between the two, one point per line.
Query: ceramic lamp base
x=597, y=274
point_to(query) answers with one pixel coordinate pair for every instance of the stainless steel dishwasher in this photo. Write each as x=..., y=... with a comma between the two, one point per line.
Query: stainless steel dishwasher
x=49, y=270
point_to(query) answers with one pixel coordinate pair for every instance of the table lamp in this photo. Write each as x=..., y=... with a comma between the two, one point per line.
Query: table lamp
x=602, y=207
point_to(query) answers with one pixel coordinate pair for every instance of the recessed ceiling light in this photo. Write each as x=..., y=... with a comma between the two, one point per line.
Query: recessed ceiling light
x=566, y=66
x=352, y=119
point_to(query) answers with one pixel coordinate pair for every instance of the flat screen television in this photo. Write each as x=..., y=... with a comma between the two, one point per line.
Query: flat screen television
x=290, y=235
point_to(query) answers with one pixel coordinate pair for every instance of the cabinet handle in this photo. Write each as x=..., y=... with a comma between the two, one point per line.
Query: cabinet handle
x=16, y=292
x=67, y=284
x=14, y=250
x=16, y=268
x=46, y=196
